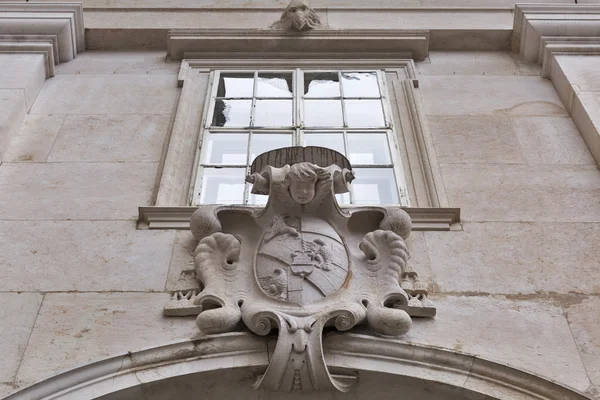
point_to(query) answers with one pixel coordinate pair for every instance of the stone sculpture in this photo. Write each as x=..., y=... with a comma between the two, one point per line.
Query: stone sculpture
x=298, y=15
x=301, y=264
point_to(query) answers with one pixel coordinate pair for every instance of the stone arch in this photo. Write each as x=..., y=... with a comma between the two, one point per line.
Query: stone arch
x=212, y=363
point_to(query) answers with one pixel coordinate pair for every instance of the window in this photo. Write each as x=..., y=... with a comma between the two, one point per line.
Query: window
x=253, y=112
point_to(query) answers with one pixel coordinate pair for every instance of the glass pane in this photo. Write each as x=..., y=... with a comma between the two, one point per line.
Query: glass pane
x=273, y=113
x=368, y=148
x=364, y=113
x=258, y=199
x=333, y=141
x=274, y=85
x=232, y=113
x=225, y=148
x=375, y=186
x=323, y=113
x=236, y=85
x=343, y=198
x=262, y=142
x=360, y=84
x=222, y=186
x=321, y=84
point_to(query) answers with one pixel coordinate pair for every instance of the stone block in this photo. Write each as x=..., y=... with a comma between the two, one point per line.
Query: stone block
x=74, y=329
x=469, y=63
x=83, y=256
x=539, y=193
x=105, y=191
x=120, y=62
x=7, y=388
x=516, y=258
x=581, y=70
x=12, y=112
x=495, y=95
x=181, y=269
x=17, y=316
x=34, y=139
x=477, y=139
x=23, y=71
x=107, y=94
x=551, y=140
x=110, y=138
x=532, y=335
x=584, y=320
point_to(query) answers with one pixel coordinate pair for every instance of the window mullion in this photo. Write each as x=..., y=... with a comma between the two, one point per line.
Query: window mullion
x=253, y=106
x=344, y=119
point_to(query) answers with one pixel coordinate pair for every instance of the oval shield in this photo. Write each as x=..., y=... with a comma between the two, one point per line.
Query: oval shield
x=301, y=259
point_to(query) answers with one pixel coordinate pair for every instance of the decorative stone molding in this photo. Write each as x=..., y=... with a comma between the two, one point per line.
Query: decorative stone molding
x=353, y=44
x=53, y=29
x=299, y=16
x=470, y=375
x=541, y=30
x=300, y=264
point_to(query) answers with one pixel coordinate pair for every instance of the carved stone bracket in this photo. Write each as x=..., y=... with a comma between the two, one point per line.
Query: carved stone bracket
x=302, y=264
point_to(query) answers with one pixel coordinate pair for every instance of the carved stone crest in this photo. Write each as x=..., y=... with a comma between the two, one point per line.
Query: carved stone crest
x=301, y=264
x=299, y=16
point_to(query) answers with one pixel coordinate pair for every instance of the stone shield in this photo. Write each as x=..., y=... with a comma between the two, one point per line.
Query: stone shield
x=301, y=260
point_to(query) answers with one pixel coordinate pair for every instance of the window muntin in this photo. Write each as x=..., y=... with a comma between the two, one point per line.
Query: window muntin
x=253, y=112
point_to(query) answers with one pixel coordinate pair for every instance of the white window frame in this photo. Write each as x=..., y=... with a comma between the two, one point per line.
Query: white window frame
x=298, y=129
x=171, y=201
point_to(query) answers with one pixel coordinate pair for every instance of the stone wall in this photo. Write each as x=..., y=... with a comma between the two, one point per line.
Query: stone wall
x=517, y=282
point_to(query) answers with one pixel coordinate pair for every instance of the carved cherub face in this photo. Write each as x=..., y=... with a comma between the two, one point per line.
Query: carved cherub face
x=300, y=15
x=303, y=177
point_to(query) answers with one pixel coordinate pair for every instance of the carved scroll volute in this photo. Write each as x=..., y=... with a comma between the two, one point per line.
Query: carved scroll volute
x=297, y=364
x=216, y=260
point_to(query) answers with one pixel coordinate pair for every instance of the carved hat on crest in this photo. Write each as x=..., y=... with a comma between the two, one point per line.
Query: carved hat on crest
x=298, y=15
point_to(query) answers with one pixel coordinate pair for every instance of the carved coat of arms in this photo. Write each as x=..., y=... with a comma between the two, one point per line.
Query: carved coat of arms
x=301, y=264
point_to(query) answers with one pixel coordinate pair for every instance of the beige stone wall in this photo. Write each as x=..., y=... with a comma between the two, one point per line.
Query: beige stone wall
x=517, y=284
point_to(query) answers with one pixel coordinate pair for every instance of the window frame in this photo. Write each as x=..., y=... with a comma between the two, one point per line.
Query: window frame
x=170, y=201
x=297, y=128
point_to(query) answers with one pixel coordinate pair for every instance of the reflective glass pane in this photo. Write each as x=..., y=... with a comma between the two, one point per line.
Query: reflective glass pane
x=364, y=113
x=232, y=113
x=258, y=199
x=224, y=148
x=368, y=148
x=222, y=186
x=274, y=85
x=375, y=186
x=236, y=85
x=273, y=113
x=333, y=141
x=323, y=113
x=360, y=84
x=321, y=84
x=262, y=142
x=343, y=198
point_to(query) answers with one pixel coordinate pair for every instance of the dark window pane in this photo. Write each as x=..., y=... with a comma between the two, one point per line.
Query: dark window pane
x=322, y=84
x=235, y=85
x=232, y=113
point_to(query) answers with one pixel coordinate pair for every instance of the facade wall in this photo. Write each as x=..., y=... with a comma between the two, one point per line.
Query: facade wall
x=517, y=282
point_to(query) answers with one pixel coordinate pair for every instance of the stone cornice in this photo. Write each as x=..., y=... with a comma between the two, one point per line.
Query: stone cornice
x=423, y=219
x=354, y=352
x=216, y=43
x=541, y=30
x=53, y=29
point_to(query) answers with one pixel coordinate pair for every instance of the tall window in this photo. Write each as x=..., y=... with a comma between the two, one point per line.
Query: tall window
x=253, y=112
